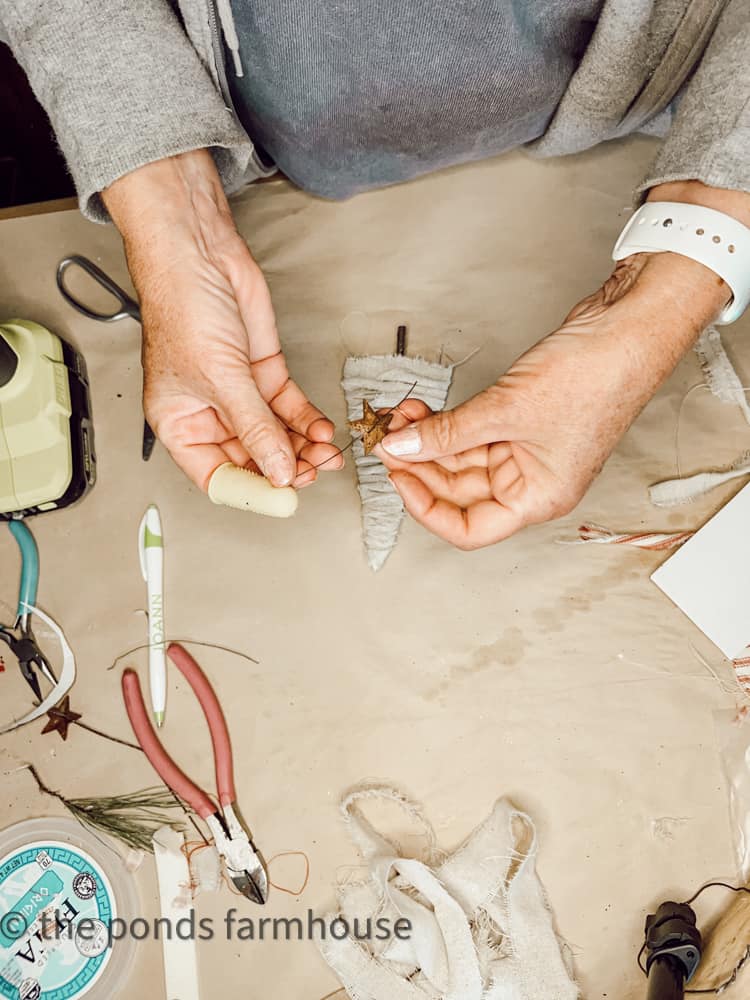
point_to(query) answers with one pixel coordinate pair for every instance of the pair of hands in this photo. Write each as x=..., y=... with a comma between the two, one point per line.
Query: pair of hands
x=217, y=388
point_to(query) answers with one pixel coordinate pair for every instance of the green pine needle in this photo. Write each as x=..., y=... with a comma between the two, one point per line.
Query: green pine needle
x=133, y=818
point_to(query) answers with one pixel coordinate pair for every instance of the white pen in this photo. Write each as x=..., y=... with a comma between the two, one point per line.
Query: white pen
x=151, y=552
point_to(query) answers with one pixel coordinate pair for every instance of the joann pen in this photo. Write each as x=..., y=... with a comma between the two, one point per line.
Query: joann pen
x=151, y=551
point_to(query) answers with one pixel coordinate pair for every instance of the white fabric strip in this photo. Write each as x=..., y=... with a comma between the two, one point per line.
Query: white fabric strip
x=175, y=897
x=674, y=492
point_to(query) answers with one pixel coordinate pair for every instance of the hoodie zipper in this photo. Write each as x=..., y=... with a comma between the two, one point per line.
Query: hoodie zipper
x=217, y=43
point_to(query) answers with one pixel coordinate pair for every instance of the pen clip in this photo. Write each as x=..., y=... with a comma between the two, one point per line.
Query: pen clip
x=142, y=545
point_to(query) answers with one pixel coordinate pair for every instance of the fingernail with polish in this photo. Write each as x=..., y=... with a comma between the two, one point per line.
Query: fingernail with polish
x=278, y=468
x=408, y=442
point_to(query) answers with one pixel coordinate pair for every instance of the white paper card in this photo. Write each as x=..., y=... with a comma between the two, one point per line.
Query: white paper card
x=173, y=873
x=709, y=577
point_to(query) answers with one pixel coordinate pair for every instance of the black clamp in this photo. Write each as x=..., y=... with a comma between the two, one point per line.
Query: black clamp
x=672, y=931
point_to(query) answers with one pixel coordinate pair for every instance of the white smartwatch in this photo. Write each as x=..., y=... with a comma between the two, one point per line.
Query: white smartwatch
x=712, y=238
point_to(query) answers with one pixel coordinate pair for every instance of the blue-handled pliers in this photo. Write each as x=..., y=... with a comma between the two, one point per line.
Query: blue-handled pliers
x=20, y=637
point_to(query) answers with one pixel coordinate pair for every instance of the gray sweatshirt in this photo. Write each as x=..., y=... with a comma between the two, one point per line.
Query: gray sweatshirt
x=125, y=84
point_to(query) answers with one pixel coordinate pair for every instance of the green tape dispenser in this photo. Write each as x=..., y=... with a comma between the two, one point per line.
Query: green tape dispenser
x=47, y=456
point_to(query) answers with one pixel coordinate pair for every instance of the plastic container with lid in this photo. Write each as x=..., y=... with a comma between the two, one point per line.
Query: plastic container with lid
x=60, y=889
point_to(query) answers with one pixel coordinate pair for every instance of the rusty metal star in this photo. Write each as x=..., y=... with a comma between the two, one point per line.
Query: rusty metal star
x=60, y=718
x=372, y=427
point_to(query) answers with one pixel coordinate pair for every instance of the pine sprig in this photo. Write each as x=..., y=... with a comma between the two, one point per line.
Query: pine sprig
x=133, y=818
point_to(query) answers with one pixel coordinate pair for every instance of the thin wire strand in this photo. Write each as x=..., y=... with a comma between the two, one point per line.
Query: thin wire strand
x=346, y=448
x=288, y=854
x=97, y=732
x=719, y=885
x=730, y=689
x=691, y=390
x=184, y=642
x=716, y=990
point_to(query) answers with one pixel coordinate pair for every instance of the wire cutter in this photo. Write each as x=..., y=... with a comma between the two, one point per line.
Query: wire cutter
x=232, y=840
x=20, y=637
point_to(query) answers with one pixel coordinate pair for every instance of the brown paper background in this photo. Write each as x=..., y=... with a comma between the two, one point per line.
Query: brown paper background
x=559, y=676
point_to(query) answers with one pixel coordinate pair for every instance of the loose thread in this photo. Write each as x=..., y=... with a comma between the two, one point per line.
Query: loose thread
x=691, y=390
x=184, y=642
x=678, y=424
x=463, y=361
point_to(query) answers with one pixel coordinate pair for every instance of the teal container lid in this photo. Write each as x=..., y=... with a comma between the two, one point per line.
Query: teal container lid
x=60, y=889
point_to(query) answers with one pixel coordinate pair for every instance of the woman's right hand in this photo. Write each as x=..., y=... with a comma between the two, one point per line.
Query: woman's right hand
x=216, y=385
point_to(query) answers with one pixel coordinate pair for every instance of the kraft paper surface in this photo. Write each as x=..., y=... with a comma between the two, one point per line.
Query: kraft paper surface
x=557, y=675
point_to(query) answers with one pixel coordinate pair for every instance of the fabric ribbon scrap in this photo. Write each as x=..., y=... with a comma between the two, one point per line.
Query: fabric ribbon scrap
x=655, y=540
x=481, y=928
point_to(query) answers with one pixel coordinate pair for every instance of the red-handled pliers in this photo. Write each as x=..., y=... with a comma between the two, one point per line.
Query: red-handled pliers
x=232, y=840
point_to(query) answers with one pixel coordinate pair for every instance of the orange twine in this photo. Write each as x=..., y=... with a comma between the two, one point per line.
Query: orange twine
x=293, y=892
x=282, y=854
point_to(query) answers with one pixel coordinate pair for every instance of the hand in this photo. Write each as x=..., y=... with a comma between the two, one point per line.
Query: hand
x=526, y=449
x=216, y=385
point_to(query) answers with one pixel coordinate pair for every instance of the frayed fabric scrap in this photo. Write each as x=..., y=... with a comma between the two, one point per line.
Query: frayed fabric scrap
x=675, y=492
x=724, y=382
x=481, y=928
x=719, y=372
x=383, y=381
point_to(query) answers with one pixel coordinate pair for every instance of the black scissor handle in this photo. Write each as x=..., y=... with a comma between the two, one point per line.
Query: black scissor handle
x=128, y=306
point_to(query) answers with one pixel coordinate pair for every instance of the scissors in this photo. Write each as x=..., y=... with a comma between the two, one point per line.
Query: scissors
x=232, y=840
x=128, y=308
x=20, y=637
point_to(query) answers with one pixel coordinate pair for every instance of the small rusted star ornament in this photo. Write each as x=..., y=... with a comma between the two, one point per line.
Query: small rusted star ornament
x=372, y=427
x=60, y=718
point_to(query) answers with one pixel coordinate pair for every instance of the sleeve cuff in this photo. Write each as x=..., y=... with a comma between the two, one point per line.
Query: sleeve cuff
x=123, y=86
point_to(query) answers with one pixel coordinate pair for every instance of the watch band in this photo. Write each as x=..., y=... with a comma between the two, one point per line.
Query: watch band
x=712, y=238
